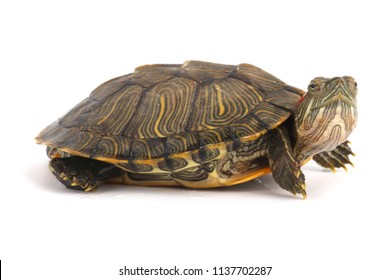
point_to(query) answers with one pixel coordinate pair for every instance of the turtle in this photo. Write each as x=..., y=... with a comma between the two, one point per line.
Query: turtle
x=202, y=125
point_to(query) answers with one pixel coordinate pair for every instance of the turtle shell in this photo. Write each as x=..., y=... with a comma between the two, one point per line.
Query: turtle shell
x=195, y=110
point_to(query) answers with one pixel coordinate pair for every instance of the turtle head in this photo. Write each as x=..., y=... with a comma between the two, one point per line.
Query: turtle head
x=326, y=115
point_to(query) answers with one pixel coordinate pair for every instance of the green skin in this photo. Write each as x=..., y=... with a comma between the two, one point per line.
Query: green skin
x=319, y=129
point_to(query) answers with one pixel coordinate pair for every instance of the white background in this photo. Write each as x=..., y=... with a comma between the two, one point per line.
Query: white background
x=53, y=53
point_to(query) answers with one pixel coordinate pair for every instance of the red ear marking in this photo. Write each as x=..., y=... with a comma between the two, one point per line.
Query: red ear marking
x=300, y=100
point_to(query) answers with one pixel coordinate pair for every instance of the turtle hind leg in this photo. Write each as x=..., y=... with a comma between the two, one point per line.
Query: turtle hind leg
x=337, y=158
x=81, y=173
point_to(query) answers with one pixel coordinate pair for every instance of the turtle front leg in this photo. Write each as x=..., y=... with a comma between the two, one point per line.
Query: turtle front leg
x=81, y=173
x=337, y=158
x=285, y=169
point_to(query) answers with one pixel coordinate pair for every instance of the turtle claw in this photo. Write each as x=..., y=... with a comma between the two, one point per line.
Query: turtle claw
x=301, y=190
x=337, y=158
x=63, y=176
x=292, y=180
x=81, y=173
x=72, y=175
x=90, y=188
x=81, y=183
x=298, y=183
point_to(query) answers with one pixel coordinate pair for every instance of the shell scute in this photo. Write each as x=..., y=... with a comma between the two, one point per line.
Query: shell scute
x=270, y=115
x=112, y=147
x=113, y=114
x=84, y=142
x=179, y=143
x=248, y=125
x=137, y=167
x=205, y=155
x=109, y=87
x=285, y=98
x=172, y=164
x=163, y=110
x=257, y=77
x=221, y=103
x=149, y=75
x=146, y=148
x=195, y=173
x=201, y=71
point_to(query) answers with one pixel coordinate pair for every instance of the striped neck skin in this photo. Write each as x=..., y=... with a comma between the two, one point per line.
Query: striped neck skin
x=326, y=116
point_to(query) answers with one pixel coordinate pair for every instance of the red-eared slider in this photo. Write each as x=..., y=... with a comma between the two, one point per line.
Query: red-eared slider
x=201, y=125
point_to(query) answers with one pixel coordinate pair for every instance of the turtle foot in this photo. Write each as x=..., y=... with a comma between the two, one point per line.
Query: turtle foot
x=76, y=173
x=291, y=178
x=337, y=158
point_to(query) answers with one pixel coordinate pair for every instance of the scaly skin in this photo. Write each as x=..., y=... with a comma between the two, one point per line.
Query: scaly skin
x=326, y=116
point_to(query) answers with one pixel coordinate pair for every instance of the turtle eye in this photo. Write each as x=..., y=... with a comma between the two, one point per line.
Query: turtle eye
x=354, y=87
x=313, y=86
